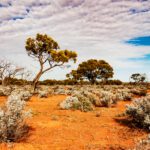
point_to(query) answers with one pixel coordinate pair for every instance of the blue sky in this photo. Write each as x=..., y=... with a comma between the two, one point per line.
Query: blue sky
x=140, y=41
x=117, y=31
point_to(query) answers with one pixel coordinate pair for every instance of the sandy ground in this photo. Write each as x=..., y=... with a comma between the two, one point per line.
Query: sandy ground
x=55, y=129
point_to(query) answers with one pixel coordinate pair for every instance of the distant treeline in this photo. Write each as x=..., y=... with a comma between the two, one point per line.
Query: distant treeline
x=15, y=81
x=49, y=82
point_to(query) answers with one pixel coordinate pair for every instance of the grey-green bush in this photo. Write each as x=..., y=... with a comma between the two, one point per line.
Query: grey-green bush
x=139, y=112
x=12, y=120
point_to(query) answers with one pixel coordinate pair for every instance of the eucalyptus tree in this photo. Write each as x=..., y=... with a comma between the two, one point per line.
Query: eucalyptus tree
x=46, y=51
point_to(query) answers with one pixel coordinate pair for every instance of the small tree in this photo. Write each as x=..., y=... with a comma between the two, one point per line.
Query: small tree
x=92, y=70
x=9, y=71
x=138, y=78
x=46, y=51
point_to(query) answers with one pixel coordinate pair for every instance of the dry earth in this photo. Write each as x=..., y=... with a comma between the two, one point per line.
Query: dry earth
x=54, y=129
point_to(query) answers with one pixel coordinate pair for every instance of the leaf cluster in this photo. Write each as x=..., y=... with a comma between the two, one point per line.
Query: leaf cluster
x=92, y=70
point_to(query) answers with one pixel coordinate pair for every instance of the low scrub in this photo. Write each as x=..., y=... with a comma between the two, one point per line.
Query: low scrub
x=43, y=94
x=139, y=112
x=22, y=94
x=78, y=102
x=12, y=120
x=5, y=91
x=139, y=92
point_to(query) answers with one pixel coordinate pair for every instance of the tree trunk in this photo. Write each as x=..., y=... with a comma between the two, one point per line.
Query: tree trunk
x=5, y=81
x=36, y=79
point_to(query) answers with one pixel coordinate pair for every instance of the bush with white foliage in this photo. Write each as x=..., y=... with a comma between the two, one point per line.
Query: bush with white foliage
x=23, y=95
x=77, y=102
x=43, y=94
x=69, y=102
x=5, y=91
x=139, y=112
x=12, y=120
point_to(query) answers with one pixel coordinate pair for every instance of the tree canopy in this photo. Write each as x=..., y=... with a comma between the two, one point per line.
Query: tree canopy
x=138, y=78
x=47, y=52
x=92, y=70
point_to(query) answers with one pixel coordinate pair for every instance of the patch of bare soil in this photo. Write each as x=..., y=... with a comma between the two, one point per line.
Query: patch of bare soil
x=55, y=129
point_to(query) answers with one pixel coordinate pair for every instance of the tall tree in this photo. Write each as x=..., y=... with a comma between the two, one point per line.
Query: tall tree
x=47, y=52
x=138, y=78
x=92, y=70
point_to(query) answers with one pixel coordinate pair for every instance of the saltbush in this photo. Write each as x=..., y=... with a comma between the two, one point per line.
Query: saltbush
x=70, y=102
x=43, y=94
x=139, y=112
x=12, y=120
x=77, y=102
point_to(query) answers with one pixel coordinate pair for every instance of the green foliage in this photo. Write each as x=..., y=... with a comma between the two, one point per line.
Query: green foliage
x=46, y=50
x=92, y=70
x=41, y=44
x=138, y=78
x=15, y=81
x=58, y=82
x=112, y=82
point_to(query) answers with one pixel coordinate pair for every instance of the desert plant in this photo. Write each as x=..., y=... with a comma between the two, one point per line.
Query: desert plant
x=139, y=112
x=5, y=91
x=139, y=92
x=46, y=51
x=22, y=94
x=108, y=99
x=124, y=94
x=86, y=105
x=77, y=102
x=60, y=91
x=43, y=94
x=12, y=120
x=69, y=102
x=92, y=70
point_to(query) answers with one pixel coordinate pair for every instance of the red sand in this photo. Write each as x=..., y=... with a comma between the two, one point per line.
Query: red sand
x=54, y=129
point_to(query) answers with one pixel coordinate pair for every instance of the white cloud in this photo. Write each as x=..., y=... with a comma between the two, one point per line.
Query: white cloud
x=95, y=29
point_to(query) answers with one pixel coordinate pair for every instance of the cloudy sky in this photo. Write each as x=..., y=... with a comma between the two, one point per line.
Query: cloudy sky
x=117, y=31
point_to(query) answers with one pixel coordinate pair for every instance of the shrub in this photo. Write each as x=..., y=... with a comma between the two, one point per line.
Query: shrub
x=2, y=92
x=23, y=95
x=124, y=94
x=77, y=102
x=108, y=99
x=12, y=120
x=105, y=99
x=60, y=91
x=43, y=94
x=69, y=103
x=5, y=91
x=139, y=92
x=139, y=112
x=86, y=105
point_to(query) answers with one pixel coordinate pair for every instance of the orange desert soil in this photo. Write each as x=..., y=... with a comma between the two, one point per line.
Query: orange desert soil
x=55, y=129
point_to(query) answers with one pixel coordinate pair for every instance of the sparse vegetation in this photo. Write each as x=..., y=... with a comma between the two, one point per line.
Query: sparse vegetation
x=61, y=113
x=12, y=120
x=139, y=112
